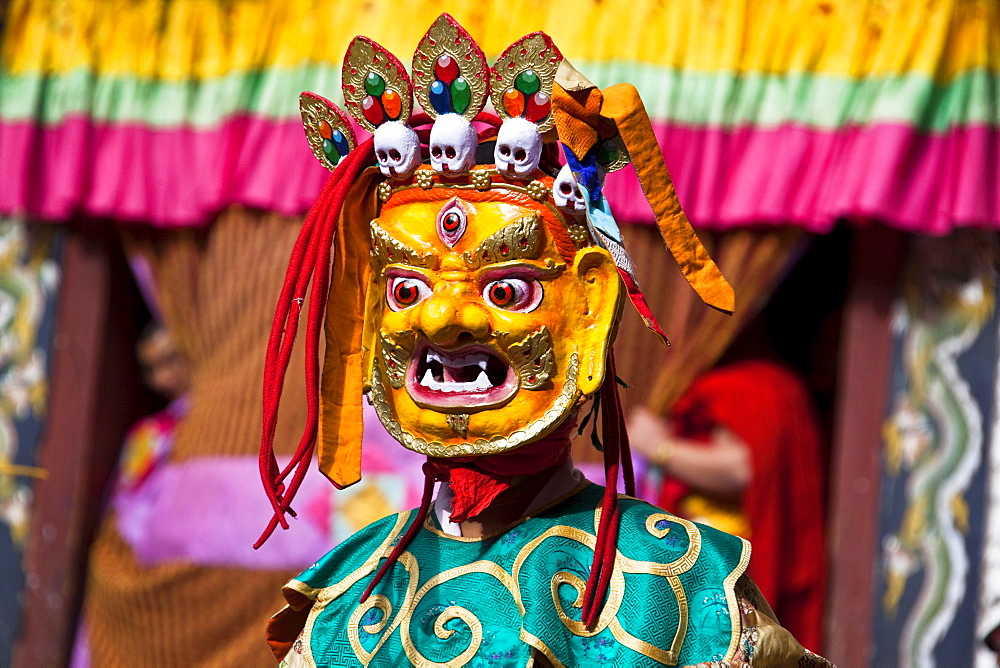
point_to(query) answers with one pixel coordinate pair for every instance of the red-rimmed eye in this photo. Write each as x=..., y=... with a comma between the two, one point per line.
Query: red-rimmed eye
x=503, y=294
x=451, y=221
x=513, y=294
x=405, y=291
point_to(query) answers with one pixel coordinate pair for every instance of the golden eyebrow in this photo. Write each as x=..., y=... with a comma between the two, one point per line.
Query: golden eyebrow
x=519, y=240
x=386, y=250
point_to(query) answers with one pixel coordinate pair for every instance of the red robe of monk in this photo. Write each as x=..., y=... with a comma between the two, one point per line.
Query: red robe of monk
x=769, y=409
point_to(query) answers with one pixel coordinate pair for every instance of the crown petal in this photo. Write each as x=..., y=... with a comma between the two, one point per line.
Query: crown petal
x=328, y=129
x=376, y=87
x=522, y=78
x=450, y=74
x=612, y=154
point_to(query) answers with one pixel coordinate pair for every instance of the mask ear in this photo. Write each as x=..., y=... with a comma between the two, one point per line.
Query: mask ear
x=596, y=271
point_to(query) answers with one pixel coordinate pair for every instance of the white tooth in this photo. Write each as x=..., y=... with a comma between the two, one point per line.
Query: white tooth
x=482, y=382
x=482, y=364
x=428, y=378
x=433, y=356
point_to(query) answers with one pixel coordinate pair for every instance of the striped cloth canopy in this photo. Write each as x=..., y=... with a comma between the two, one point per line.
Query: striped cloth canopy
x=163, y=112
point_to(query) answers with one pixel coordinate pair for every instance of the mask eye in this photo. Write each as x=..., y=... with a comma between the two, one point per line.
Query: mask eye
x=513, y=294
x=405, y=291
x=452, y=221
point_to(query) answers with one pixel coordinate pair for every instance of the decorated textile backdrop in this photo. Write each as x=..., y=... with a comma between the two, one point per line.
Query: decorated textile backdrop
x=938, y=580
x=767, y=111
x=29, y=277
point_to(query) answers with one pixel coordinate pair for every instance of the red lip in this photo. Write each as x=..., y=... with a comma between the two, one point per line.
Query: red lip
x=472, y=377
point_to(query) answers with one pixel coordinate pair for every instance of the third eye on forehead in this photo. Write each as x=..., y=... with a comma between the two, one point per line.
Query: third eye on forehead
x=452, y=221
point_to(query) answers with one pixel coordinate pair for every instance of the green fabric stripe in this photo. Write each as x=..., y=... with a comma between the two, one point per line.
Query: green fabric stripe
x=716, y=99
x=724, y=99
x=271, y=93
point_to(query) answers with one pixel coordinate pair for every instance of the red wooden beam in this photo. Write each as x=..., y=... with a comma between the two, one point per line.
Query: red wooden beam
x=864, y=373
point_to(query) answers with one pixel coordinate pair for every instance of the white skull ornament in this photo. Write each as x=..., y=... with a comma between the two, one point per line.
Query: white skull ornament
x=518, y=149
x=397, y=149
x=453, y=145
x=566, y=192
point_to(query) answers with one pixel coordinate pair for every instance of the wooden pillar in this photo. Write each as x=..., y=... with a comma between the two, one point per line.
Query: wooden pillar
x=866, y=345
x=95, y=394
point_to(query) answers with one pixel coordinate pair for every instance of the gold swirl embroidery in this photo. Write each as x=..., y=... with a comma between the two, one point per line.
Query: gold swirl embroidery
x=671, y=656
x=729, y=586
x=324, y=596
x=409, y=562
x=387, y=250
x=641, y=646
x=651, y=523
x=375, y=601
x=450, y=613
x=566, y=399
x=413, y=597
x=537, y=643
x=616, y=589
x=532, y=358
x=679, y=565
x=519, y=240
x=397, y=349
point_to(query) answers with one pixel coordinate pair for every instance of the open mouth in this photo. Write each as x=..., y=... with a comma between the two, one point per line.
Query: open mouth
x=473, y=378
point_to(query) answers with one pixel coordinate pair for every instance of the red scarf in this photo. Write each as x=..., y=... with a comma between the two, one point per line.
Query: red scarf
x=477, y=481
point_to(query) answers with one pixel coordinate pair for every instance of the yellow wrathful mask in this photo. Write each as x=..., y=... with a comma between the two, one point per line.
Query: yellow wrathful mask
x=487, y=323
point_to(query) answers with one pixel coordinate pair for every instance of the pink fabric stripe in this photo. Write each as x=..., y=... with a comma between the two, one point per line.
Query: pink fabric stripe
x=169, y=178
x=725, y=178
x=918, y=183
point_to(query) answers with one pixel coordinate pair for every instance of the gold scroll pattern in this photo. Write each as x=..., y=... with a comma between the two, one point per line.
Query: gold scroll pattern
x=533, y=358
x=521, y=239
x=386, y=250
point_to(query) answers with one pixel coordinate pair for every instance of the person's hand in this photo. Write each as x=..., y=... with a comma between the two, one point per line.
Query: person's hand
x=649, y=435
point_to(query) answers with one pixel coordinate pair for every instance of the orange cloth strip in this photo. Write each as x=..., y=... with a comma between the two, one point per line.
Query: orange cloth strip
x=340, y=419
x=580, y=115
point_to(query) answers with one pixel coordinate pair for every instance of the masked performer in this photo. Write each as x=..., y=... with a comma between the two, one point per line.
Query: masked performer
x=475, y=304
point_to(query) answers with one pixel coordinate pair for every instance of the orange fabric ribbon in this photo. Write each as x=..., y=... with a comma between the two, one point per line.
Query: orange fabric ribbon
x=340, y=414
x=585, y=114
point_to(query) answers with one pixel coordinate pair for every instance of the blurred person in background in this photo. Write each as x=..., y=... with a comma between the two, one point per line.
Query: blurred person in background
x=741, y=452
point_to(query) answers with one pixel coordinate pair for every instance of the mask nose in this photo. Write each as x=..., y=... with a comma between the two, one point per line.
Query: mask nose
x=453, y=319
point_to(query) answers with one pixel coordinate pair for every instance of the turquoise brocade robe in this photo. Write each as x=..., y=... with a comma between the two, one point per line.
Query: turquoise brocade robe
x=489, y=601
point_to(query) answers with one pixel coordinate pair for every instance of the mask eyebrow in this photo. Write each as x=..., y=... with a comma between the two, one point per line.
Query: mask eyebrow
x=517, y=269
x=519, y=240
x=386, y=250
